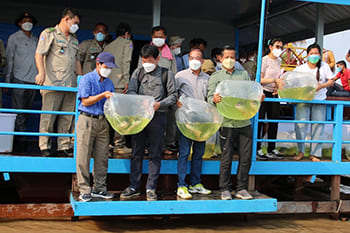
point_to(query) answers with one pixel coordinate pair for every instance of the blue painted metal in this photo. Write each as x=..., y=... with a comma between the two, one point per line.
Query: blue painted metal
x=36, y=134
x=337, y=133
x=37, y=87
x=237, y=42
x=6, y=176
x=339, y=2
x=171, y=207
x=35, y=111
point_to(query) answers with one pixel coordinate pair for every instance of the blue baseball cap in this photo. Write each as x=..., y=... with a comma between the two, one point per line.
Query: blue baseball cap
x=107, y=59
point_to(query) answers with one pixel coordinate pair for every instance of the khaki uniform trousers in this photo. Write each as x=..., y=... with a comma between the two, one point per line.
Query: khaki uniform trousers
x=92, y=138
x=56, y=101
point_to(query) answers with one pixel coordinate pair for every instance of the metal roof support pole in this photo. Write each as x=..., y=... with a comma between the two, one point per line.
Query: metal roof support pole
x=237, y=42
x=156, y=12
x=258, y=73
x=319, y=30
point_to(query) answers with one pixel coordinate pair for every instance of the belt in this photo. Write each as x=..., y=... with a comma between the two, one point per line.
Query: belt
x=92, y=115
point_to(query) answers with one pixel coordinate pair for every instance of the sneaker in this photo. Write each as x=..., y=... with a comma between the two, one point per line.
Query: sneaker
x=151, y=195
x=260, y=155
x=243, y=194
x=123, y=150
x=260, y=152
x=226, y=195
x=199, y=188
x=129, y=193
x=85, y=197
x=275, y=154
x=104, y=194
x=183, y=192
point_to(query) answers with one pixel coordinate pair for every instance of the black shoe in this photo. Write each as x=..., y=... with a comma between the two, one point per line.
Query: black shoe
x=129, y=193
x=102, y=194
x=64, y=153
x=45, y=153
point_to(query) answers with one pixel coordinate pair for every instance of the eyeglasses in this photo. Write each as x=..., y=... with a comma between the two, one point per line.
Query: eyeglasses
x=279, y=47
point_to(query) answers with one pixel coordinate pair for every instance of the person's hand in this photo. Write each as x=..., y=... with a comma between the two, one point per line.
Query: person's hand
x=107, y=94
x=319, y=87
x=40, y=79
x=125, y=88
x=156, y=106
x=178, y=104
x=280, y=84
x=217, y=98
x=262, y=98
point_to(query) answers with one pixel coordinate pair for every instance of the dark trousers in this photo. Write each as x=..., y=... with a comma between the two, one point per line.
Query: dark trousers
x=337, y=90
x=244, y=138
x=272, y=111
x=22, y=99
x=153, y=135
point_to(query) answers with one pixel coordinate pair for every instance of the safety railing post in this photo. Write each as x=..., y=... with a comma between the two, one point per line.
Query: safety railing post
x=337, y=133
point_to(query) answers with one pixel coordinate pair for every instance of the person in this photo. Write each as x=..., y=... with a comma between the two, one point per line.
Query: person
x=58, y=64
x=196, y=43
x=121, y=48
x=250, y=65
x=92, y=128
x=193, y=83
x=89, y=49
x=175, y=43
x=3, y=63
x=159, y=82
x=343, y=74
x=328, y=57
x=216, y=59
x=21, y=68
x=315, y=112
x=270, y=74
x=231, y=131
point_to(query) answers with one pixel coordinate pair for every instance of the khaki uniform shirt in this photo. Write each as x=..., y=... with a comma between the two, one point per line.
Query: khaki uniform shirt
x=88, y=52
x=61, y=55
x=122, y=51
x=3, y=60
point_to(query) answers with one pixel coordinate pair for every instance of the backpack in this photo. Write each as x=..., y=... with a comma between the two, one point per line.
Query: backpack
x=164, y=77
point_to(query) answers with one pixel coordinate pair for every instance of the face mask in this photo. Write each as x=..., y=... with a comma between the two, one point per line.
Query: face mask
x=105, y=72
x=277, y=52
x=149, y=67
x=338, y=69
x=74, y=28
x=27, y=26
x=100, y=36
x=159, y=42
x=177, y=51
x=313, y=59
x=229, y=63
x=195, y=64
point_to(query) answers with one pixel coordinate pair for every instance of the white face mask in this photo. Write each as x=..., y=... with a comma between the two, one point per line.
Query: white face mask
x=74, y=28
x=177, y=51
x=105, y=72
x=195, y=64
x=229, y=63
x=159, y=42
x=149, y=67
x=277, y=52
x=27, y=26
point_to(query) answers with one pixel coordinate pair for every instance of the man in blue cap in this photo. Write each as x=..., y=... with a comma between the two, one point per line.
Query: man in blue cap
x=93, y=130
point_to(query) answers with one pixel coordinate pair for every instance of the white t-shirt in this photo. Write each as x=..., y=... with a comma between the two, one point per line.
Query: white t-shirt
x=325, y=74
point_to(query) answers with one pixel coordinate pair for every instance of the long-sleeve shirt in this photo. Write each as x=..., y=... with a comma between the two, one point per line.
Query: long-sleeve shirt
x=214, y=80
x=188, y=84
x=152, y=85
x=21, y=57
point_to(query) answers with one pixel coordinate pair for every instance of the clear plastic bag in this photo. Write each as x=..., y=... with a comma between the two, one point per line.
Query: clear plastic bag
x=240, y=100
x=298, y=85
x=129, y=114
x=197, y=120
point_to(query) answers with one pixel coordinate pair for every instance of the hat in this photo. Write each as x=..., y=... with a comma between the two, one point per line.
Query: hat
x=107, y=59
x=25, y=15
x=208, y=66
x=175, y=40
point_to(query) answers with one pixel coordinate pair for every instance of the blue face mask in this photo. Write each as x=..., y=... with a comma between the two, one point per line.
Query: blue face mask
x=338, y=69
x=314, y=59
x=100, y=37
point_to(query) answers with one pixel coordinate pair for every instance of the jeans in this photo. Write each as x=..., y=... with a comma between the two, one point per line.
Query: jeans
x=272, y=111
x=153, y=133
x=314, y=112
x=337, y=90
x=196, y=164
x=244, y=138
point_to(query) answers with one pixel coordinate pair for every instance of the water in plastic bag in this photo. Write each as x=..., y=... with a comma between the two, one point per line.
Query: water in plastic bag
x=197, y=119
x=298, y=85
x=129, y=114
x=240, y=100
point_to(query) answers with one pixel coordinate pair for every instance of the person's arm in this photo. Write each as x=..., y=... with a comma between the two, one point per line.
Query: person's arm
x=10, y=52
x=44, y=45
x=173, y=67
x=39, y=60
x=3, y=60
x=83, y=50
x=127, y=54
x=211, y=90
x=171, y=89
x=78, y=68
x=133, y=84
x=94, y=99
x=331, y=59
x=329, y=76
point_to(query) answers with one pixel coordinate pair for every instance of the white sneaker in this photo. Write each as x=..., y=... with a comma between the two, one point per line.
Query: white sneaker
x=199, y=188
x=244, y=195
x=183, y=193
